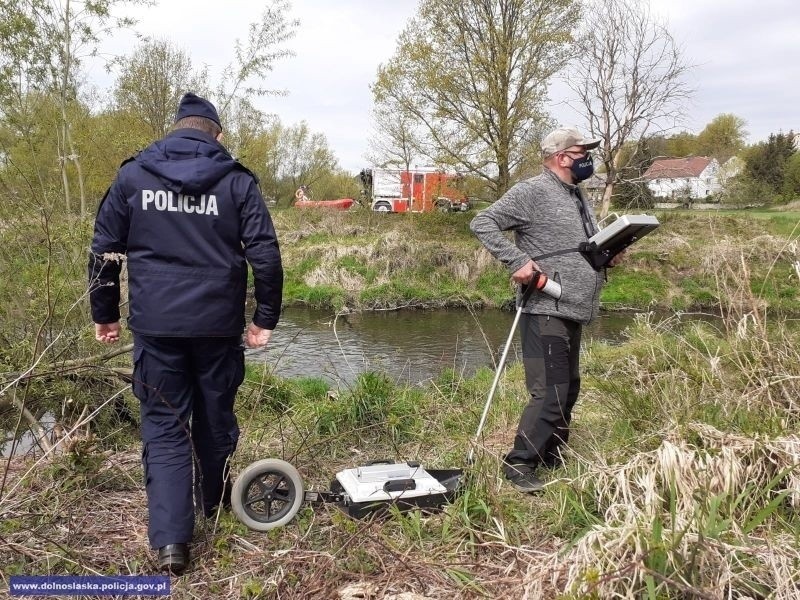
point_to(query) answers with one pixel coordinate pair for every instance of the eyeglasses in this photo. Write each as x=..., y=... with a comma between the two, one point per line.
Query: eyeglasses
x=583, y=154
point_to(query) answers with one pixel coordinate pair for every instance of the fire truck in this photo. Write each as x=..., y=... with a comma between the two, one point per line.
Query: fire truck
x=416, y=190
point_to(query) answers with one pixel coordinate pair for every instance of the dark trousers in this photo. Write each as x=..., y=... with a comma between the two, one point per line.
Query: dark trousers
x=550, y=353
x=186, y=388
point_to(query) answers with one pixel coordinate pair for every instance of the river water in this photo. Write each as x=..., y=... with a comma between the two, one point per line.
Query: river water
x=412, y=346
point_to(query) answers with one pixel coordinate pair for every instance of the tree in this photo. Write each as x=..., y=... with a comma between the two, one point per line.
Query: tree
x=681, y=144
x=305, y=157
x=41, y=47
x=152, y=81
x=766, y=161
x=472, y=76
x=722, y=138
x=791, y=182
x=635, y=157
x=107, y=138
x=394, y=142
x=741, y=191
x=337, y=184
x=628, y=76
x=256, y=59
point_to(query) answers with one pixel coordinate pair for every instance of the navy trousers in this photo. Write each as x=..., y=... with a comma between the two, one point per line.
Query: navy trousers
x=186, y=389
x=550, y=354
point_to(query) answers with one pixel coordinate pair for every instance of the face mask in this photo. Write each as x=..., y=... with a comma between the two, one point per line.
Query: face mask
x=582, y=168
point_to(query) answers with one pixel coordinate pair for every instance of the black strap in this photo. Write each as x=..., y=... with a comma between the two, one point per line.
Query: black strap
x=556, y=253
x=583, y=209
x=588, y=250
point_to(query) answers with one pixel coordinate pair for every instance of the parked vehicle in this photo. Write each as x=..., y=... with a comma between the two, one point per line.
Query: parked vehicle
x=415, y=190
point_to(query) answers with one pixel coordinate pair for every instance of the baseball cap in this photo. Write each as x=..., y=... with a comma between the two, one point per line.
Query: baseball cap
x=565, y=137
x=192, y=105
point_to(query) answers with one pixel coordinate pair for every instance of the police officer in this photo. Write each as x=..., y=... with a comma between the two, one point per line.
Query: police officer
x=189, y=218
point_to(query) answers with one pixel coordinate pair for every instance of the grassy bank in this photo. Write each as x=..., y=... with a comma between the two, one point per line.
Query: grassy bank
x=693, y=261
x=361, y=260
x=681, y=482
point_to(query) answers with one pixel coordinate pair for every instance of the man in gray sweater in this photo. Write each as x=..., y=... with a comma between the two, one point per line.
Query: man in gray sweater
x=550, y=218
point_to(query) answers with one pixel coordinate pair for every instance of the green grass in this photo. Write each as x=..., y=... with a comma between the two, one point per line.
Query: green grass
x=634, y=289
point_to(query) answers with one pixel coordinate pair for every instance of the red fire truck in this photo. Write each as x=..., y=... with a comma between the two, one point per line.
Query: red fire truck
x=416, y=190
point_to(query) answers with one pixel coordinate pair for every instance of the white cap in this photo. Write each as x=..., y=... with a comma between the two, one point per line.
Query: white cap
x=566, y=137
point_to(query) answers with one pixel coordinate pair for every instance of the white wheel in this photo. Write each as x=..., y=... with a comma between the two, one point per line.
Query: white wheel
x=383, y=208
x=267, y=494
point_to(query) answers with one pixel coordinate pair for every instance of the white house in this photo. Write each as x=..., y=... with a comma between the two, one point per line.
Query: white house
x=690, y=177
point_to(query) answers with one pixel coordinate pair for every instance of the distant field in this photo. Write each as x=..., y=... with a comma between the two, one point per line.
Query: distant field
x=783, y=222
x=761, y=213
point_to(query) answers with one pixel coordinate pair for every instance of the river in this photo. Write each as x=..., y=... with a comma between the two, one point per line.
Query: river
x=412, y=346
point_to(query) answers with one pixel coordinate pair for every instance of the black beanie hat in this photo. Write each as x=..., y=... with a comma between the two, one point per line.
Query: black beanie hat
x=192, y=105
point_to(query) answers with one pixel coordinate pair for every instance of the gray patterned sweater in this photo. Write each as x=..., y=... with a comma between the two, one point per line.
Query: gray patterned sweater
x=543, y=212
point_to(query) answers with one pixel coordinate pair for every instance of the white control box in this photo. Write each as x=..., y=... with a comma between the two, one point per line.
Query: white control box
x=623, y=232
x=388, y=482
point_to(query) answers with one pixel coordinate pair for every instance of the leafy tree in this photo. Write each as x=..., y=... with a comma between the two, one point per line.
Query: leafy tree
x=472, y=76
x=628, y=74
x=791, y=182
x=152, y=81
x=304, y=159
x=766, y=161
x=41, y=48
x=30, y=150
x=284, y=158
x=742, y=191
x=259, y=149
x=107, y=138
x=682, y=144
x=337, y=184
x=722, y=138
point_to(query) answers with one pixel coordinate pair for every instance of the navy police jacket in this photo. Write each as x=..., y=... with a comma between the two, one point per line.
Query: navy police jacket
x=189, y=218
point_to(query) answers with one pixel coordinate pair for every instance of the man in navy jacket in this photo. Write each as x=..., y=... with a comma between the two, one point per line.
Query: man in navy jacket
x=189, y=218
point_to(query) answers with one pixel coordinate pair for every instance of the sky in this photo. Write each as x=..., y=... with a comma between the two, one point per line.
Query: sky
x=746, y=57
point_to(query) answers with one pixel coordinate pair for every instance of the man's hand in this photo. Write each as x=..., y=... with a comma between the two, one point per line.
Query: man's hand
x=108, y=333
x=256, y=337
x=525, y=273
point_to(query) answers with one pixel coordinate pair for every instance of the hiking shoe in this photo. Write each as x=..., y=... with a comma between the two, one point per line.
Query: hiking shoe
x=173, y=558
x=527, y=483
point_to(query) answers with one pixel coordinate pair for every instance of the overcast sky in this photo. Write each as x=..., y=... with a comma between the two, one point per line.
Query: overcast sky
x=746, y=52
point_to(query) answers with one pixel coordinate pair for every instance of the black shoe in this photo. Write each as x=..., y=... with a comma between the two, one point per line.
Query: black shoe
x=527, y=483
x=173, y=558
x=512, y=470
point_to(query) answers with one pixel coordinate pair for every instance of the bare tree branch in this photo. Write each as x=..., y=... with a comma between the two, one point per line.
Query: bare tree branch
x=628, y=77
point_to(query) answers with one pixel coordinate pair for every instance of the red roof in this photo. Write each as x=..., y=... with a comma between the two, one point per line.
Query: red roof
x=668, y=168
